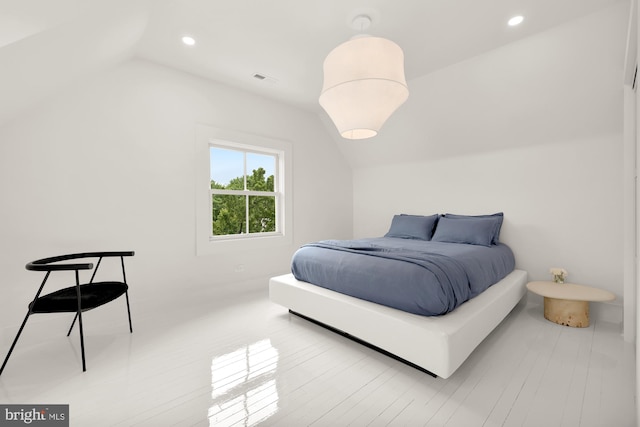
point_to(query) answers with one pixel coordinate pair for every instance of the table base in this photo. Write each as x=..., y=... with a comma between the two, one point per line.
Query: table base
x=567, y=312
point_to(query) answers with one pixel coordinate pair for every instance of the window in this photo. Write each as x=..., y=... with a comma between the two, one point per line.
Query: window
x=244, y=192
x=242, y=197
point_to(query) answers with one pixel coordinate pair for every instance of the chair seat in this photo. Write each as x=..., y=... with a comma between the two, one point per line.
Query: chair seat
x=92, y=295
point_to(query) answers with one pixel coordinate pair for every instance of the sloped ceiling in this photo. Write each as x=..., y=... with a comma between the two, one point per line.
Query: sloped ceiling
x=561, y=85
x=45, y=45
x=287, y=40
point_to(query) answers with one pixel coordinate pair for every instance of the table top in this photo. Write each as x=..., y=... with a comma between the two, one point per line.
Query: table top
x=570, y=291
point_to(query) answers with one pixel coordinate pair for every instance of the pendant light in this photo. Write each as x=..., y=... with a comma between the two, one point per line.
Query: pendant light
x=364, y=83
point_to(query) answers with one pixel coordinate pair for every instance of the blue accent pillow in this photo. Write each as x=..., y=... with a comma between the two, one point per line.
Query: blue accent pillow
x=473, y=231
x=412, y=226
x=497, y=217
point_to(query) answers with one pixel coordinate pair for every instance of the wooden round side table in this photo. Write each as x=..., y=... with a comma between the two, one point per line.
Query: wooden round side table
x=567, y=303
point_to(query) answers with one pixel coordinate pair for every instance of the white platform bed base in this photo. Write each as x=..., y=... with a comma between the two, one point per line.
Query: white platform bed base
x=438, y=345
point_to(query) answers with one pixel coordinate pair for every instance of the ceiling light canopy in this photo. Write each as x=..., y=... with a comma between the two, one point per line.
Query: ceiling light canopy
x=364, y=84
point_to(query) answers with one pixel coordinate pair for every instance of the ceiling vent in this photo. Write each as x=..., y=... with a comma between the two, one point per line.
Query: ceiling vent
x=264, y=78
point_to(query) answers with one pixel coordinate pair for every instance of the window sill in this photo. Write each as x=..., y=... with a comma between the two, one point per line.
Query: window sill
x=217, y=245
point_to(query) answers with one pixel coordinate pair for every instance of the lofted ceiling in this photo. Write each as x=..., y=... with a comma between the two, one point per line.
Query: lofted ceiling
x=287, y=40
x=46, y=44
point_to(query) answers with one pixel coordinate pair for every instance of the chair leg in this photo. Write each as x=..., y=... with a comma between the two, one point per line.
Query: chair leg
x=84, y=363
x=128, y=313
x=79, y=314
x=24, y=322
x=72, y=323
x=126, y=294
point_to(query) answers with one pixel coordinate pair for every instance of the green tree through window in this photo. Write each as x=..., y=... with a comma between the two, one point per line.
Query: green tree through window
x=247, y=203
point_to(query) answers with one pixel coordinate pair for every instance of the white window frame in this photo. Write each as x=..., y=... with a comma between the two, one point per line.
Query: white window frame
x=277, y=193
x=206, y=244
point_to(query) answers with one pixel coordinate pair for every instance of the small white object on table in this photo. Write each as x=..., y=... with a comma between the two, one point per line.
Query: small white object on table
x=567, y=303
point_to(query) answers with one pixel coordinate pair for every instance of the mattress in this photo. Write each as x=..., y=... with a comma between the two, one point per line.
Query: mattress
x=420, y=277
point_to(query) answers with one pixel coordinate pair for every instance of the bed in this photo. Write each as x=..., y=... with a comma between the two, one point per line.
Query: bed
x=427, y=293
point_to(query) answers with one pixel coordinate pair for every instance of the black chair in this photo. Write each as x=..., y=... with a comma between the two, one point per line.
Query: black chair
x=78, y=298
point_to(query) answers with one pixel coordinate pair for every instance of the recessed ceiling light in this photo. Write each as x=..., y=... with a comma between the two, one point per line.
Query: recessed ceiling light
x=516, y=20
x=188, y=40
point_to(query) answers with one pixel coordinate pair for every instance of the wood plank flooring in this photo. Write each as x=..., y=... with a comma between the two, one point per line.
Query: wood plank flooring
x=244, y=361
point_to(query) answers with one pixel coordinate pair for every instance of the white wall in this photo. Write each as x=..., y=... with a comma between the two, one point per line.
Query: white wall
x=533, y=129
x=109, y=165
x=558, y=213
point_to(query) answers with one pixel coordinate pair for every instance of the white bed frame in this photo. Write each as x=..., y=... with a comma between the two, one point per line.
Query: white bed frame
x=438, y=345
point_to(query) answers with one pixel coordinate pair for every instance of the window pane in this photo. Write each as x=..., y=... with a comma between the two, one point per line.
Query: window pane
x=227, y=168
x=262, y=214
x=228, y=215
x=260, y=171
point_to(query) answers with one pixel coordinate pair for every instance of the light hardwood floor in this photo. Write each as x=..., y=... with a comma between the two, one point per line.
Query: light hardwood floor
x=242, y=361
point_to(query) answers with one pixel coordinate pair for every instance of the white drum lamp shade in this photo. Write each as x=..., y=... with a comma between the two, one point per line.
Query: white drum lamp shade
x=364, y=84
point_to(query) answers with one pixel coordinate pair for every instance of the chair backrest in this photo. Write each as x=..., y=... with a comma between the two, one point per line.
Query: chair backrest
x=45, y=264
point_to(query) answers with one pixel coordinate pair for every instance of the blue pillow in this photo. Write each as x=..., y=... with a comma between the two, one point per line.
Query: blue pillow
x=412, y=226
x=497, y=217
x=473, y=231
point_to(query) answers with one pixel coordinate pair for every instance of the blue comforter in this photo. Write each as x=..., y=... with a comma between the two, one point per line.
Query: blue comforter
x=417, y=276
